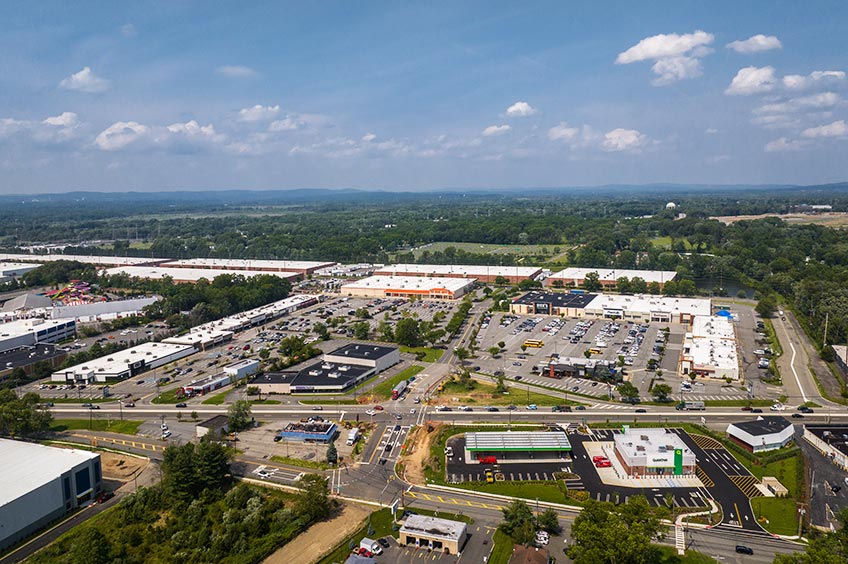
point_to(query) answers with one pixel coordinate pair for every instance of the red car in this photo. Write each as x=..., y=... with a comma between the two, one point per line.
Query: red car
x=599, y=458
x=378, y=407
x=603, y=464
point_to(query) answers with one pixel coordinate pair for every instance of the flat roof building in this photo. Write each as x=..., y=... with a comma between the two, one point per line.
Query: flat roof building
x=709, y=349
x=40, y=484
x=831, y=441
x=85, y=259
x=242, y=368
x=425, y=287
x=432, y=533
x=302, y=267
x=317, y=432
x=376, y=357
x=205, y=385
x=551, y=303
x=259, y=315
x=653, y=452
x=608, y=277
x=201, y=338
x=191, y=275
x=16, y=269
x=217, y=425
x=763, y=434
x=31, y=332
x=123, y=364
x=483, y=273
x=516, y=446
x=646, y=308
x=102, y=310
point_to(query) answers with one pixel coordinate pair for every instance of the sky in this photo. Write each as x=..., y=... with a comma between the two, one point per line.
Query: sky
x=158, y=96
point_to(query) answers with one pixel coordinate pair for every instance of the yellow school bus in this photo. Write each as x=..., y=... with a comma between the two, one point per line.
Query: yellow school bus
x=533, y=343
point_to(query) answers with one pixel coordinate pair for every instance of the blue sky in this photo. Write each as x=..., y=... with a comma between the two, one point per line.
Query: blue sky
x=413, y=96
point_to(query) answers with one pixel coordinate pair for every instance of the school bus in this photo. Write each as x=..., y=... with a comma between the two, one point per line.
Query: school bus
x=595, y=351
x=533, y=343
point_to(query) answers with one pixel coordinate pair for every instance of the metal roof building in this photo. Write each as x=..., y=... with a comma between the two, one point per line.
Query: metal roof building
x=762, y=434
x=427, y=287
x=483, y=273
x=39, y=484
x=517, y=446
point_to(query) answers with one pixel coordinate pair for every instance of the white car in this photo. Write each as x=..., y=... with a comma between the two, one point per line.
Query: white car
x=263, y=474
x=778, y=407
x=371, y=412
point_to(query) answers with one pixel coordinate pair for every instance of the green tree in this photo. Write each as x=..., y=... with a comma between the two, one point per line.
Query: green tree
x=360, y=330
x=591, y=283
x=90, y=546
x=332, y=453
x=661, y=391
x=628, y=392
x=824, y=547
x=461, y=353
x=548, y=521
x=314, y=500
x=408, y=332
x=211, y=466
x=264, y=353
x=500, y=387
x=605, y=533
x=502, y=345
x=239, y=414
x=363, y=313
x=518, y=522
x=386, y=331
x=494, y=350
x=321, y=330
x=501, y=281
x=766, y=306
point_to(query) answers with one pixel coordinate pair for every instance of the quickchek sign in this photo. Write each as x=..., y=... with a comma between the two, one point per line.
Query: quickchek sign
x=678, y=461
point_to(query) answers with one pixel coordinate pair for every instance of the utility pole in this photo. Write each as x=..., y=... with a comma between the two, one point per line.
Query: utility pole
x=826, y=316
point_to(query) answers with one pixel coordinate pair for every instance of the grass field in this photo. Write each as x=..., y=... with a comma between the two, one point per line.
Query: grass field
x=665, y=243
x=217, y=399
x=329, y=402
x=78, y=400
x=502, y=548
x=430, y=355
x=484, y=394
x=543, y=491
x=780, y=514
x=311, y=464
x=669, y=556
x=384, y=388
x=125, y=427
x=167, y=397
x=265, y=401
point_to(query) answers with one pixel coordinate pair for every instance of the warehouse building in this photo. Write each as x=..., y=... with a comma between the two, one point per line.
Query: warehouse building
x=32, y=332
x=242, y=369
x=191, y=275
x=104, y=261
x=123, y=364
x=551, y=303
x=16, y=269
x=483, y=273
x=432, y=533
x=647, y=309
x=425, y=287
x=27, y=305
x=763, y=434
x=260, y=315
x=653, y=452
x=831, y=441
x=517, y=446
x=99, y=311
x=300, y=267
x=608, y=277
x=215, y=426
x=40, y=484
x=709, y=349
x=316, y=432
x=201, y=338
x=338, y=370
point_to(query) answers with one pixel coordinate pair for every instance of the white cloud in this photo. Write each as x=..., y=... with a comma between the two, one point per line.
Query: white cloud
x=624, y=140
x=493, y=130
x=755, y=44
x=776, y=121
x=120, y=134
x=563, y=132
x=368, y=137
x=520, y=109
x=236, y=71
x=676, y=56
x=258, y=113
x=711, y=131
x=835, y=129
x=800, y=82
x=85, y=81
x=815, y=101
x=193, y=130
x=288, y=123
x=751, y=80
x=782, y=144
x=65, y=119
x=128, y=30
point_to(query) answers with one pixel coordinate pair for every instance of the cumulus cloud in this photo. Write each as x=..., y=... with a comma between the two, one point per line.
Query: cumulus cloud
x=563, y=132
x=121, y=134
x=193, y=130
x=624, y=140
x=815, y=101
x=65, y=119
x=676, y=57
x=258, y=113
x=520, y=109
x=711, y=131
x=782, y=144
x=51, y=130
x=835, y=129
x=368, y=137
x=800, y=82
x=85, y=81
x=752, y=80
x=236, y=71
x=755, y=44
x=493, y=130
x=342, y=147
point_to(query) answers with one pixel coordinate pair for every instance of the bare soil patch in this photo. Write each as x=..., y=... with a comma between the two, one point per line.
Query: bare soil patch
x=318, y=540
x=418, y=449
x=119, y=467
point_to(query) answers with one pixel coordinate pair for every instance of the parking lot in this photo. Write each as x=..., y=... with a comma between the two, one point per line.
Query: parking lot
x=460, y=470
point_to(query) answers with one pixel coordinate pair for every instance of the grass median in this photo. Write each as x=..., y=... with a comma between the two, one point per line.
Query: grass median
x=424, y=354
x=384, y=388
x=125, y=427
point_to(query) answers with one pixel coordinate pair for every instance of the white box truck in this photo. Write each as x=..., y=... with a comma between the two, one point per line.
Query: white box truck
x=352, y=436
x=371, y=546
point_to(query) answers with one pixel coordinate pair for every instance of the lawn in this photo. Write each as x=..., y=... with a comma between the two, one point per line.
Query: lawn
x=543, y=491
x=217, y=399
x=125, y=427
x=265, y=401
x=329, y=402
x=502, y=548
x=79, y=400
x=665, y=243
x=384, y=388
x=381, y=523
x=484, y=394
x=312, y=464
x=169, y=396
x=430, y=355
x=777, y=515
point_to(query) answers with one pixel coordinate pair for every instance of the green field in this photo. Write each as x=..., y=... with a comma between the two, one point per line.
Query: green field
x=665, y=243
x=484, y=394
x=329, y=402
x=502, y=548
x=167, y=397
x=217, y=399
x=312, y=464
x=265, y=401
x=430, y=355
x=125, y=427
x=384, y=388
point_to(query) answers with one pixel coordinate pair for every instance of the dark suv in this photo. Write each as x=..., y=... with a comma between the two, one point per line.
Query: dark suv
x=744, y=549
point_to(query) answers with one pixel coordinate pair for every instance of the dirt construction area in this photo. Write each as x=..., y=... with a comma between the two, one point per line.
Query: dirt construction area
x=319, y=539
x=120, y=467
x=417, y=452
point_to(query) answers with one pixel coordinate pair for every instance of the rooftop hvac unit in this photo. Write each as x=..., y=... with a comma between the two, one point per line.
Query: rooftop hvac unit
x=314, y=372
x=333, y=375
x=640, y=448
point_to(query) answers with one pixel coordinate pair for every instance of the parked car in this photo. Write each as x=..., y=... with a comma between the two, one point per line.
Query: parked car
x=181, y=404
